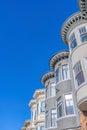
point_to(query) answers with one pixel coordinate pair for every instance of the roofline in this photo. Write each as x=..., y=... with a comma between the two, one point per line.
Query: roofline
x=83, y=7
x=69, y=23
x=56, y=56
x=46, y=76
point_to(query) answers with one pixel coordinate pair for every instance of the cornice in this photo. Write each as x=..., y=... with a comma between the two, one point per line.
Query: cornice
x=73, y=20
x=38, y=93
x=27, y=122
x=46, y=77
x=32, y=102
x=58, y=57
x=83, y=7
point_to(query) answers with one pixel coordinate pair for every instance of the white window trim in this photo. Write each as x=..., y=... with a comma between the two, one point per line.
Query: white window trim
x=65, y=106
x=56, y=118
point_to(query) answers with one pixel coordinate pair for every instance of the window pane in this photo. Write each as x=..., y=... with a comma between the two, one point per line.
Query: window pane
x=73, y=42
x=37, y=108
x=65, y=72
x=78, y=73
x=52, y=89
x=47, y=93
x=59, y=107
x=82, y=30
x=42, y=128
x=53, y=117
x=43, y=106
x=80, y=78
x=57, y=75
x=46, y=119
x=84, y=38
x=69, y=104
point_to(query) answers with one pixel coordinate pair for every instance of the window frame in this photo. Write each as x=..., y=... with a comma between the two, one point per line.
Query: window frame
x=66, y=75
x=57, y=75
x=65, y=105
x=46, y=119
x=53, y=116
x=42, y=106
x=59, y=105
x=83, y=34
x=42, y=127
x=52, y=89
x=73, y=41
x=78, y=73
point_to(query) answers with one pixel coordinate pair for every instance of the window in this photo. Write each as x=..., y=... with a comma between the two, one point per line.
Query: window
x=57, y=76
x=35, y=115
x=42, y=128
x=82, y=30
x=59, y=107
x=43, y=106
x=53, y=117
x=79, y=77
x=37, y=108
x=52, y=89
x=73, y=42
x=86, y=61
x=47, y=95
x=69, y=104
x=83, y=34
x=65, y=72
x=36, y=128
x=46, y=119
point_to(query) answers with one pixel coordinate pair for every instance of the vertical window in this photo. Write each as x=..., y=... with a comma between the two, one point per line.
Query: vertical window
x=83, y=34
x=79, y=77
x=36, y=128
x=32, y=115
x=47, y=95
x=35, y=115
x=69, y=104
x=65, y=72
x=42, y=128
x=59, y=107
x=57, y=76
x=73, y=42
x=43, y=106
x=37, y=108
x=53, y=117
x=46, y=119
x=52, y=89
x=86, y=62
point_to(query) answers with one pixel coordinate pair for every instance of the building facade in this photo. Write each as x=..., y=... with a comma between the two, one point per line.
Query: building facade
x=67, y=114
x=48, y=81
x=39, y=122
x=63, y=103
x=74, y=33
x=37, y=106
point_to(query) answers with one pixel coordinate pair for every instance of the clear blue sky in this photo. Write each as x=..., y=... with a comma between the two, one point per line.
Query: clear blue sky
x=29, y=36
